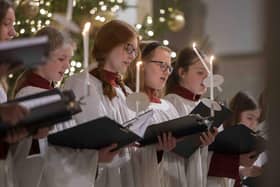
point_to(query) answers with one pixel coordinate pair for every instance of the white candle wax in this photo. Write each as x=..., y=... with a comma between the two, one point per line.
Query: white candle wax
x=69, y=10
x=200, y=58
x=138, y=76
x=211, y=84
x=86, y=56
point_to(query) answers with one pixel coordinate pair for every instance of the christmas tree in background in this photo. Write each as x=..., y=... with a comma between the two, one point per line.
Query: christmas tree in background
x=32, y=15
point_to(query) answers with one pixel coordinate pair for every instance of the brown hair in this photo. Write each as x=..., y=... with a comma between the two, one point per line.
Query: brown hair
x=147, y=52
x=111, y=35
x=263, y=105
x=56, y=39
x=4, y=6
x=185, y=59
x=241, y=102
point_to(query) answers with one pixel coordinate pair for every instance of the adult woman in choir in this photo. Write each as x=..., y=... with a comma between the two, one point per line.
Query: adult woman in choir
x=184, y=90
x=10, y=114
x=32, y=169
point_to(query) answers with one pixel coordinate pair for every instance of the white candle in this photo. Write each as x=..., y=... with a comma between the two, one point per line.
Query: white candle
x=200, y=57
x=86, y=56
x=138, y=64
x=69, y=10
x=211, y=84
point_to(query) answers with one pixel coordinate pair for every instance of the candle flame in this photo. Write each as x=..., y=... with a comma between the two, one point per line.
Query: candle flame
x=86, y=27
x=212, y=58
x=139, y=63
x=194, y=45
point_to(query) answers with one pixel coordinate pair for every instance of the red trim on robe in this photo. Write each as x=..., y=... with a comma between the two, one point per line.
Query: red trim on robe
x=4, y=148
x=152, y=94
x=110, y=77
x=35, y=80
x=185, y=93
x=224, y=166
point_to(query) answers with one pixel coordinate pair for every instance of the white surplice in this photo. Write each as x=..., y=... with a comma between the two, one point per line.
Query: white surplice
x=170, y=172
x=198, y=164
x=6, y=172
x=118, y=173
x=54, y=166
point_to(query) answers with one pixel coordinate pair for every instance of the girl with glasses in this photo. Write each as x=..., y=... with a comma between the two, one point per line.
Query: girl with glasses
x=166, y=168
x=115, y=47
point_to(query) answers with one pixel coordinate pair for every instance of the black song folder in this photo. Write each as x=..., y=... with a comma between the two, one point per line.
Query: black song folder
x=29, y=52
x=190, y=144
x=238, y=139
x=46, y=109
x=95, y=134
x=179, y=128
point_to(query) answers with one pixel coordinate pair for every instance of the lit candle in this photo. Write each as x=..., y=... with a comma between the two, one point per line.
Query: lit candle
x=69, y=10
x=211, y=85
x=138, y=64
x=86, y=50
x=200, y=57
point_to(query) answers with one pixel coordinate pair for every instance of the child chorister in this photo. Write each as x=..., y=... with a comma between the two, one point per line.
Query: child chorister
x=170, y=168
x=32, y=156
x=184, y=89
x=115, y=47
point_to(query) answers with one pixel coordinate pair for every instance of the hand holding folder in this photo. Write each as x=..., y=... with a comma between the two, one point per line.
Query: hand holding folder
x=46, y=109
x=238, y=139
x=191, y=143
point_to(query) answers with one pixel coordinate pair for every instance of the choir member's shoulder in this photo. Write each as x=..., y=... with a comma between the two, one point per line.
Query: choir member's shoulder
x=174, y=99
x=29, y=90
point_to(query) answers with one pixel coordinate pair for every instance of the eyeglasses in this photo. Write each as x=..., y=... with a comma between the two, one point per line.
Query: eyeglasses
x=129, y=48
x=163, y=66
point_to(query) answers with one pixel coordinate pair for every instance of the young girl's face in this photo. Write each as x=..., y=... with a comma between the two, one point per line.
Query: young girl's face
x=193, y=78
x=7, y=30
x=57, y=63
x=121, y=56
x=157, y=69
x=250, y=118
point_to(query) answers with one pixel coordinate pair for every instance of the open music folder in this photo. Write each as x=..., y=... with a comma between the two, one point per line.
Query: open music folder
x=29, y=52
x=238, y=139
x=46, y=109
x=190, y=144
x=104, y=131
x=101, y=132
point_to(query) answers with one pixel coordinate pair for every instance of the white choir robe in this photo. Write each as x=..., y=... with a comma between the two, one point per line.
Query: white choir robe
x=171, y=170
x=53, y=166
x=6, y=172
x=198, y=164
x=98, y=105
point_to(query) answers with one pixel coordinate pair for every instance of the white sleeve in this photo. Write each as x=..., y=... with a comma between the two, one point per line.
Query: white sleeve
x=70, y=168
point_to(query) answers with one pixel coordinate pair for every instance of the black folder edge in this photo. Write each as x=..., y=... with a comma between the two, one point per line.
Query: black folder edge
x=43, y=123
x=14, y=51
x=259, y=147
x=58, y=139
x=189, y=145
x=154, y=130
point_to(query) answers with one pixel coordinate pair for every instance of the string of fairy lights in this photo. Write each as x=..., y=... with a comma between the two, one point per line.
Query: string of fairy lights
x=32, y=15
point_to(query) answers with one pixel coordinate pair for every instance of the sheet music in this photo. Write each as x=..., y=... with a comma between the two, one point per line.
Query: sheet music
x=29, y=104
x=139, y=124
